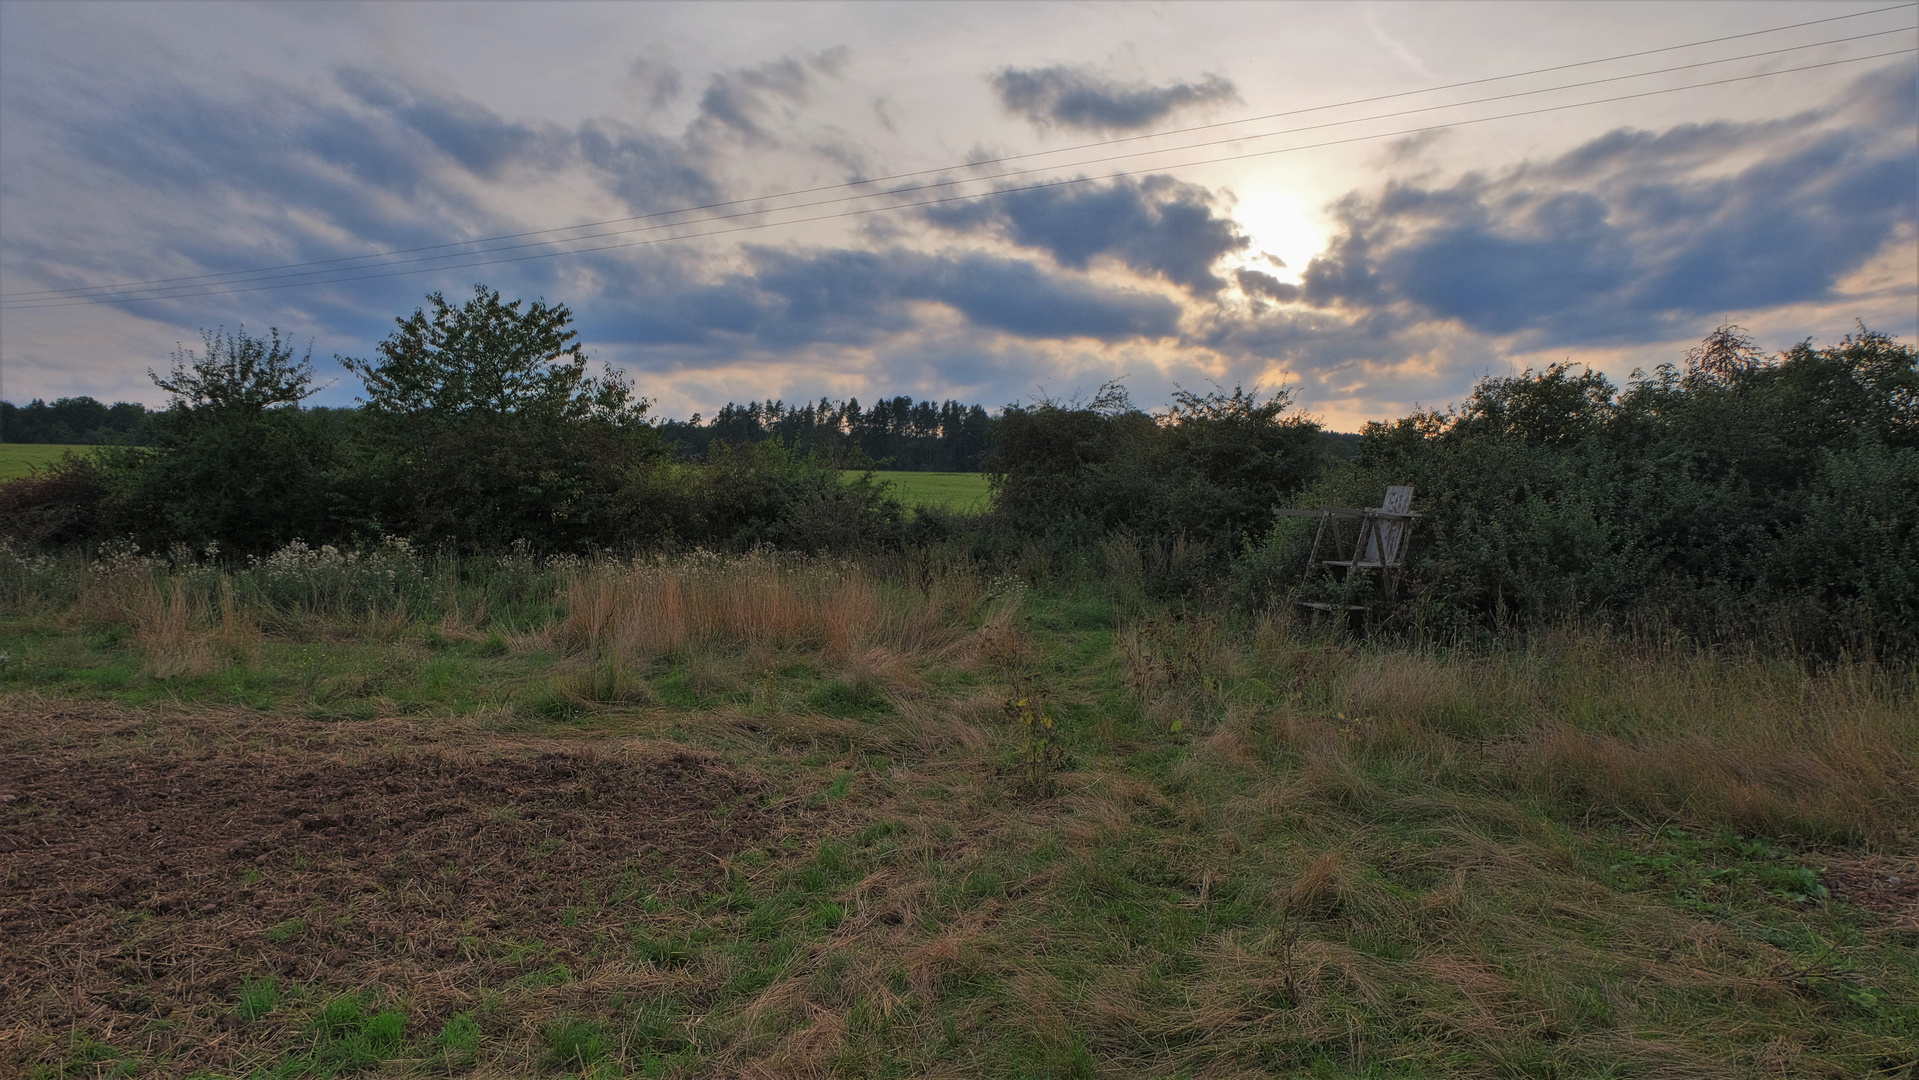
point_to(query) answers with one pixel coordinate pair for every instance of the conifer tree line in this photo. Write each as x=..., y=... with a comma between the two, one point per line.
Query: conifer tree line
x=894, y=433
x=76, y=420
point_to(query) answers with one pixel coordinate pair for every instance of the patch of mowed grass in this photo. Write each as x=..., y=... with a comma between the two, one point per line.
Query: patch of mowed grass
x=458, y=1043
x=329, y=677
x=259, y=996
x=92, y=1058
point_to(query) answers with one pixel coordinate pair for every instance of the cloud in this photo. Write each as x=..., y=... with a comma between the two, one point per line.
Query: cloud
x=481, y=140
x=1084, y=99
x=655, y=82
x=792, y=299
x=650, y=173
x=1260, y=283
x=1157, y=226
x=1635, y=233
x=748, y=102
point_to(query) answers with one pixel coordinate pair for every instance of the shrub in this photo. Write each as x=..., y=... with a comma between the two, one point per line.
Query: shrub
x=234, y=459
x=61, y=504
x=1736, y=498
x=1208, y=472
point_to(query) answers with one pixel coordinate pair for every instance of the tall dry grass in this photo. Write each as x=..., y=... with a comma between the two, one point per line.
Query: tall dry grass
x=1619, y=728
x=185, y=624
x=640, y=611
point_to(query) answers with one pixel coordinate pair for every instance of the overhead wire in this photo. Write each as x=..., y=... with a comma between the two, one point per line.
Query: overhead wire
x=867, y=181
x=209, y=278
x=212, y=288
x=58, y=298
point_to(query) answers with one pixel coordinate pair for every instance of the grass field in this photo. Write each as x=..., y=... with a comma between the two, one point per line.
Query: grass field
x=955, y=491
x=729, y=817
x=17, y=458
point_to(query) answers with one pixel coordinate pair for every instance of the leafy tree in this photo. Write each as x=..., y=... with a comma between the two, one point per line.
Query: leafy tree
x=234, y=459
x=73, y=420
x=488, y=359
x=486, y=428
x=239, y=375
x=1733, y=496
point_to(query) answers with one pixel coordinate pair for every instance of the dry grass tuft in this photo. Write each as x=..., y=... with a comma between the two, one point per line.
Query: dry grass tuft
x=1319, y=889
x=642, y=611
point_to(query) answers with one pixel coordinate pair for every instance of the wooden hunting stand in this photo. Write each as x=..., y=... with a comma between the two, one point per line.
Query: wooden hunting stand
x=1379, y=543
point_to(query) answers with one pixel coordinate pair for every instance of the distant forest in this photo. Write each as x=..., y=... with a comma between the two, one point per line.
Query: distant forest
x=894, y=433
x=79, y=420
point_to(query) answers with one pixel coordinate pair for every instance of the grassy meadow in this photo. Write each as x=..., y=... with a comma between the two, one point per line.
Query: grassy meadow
x=717, y=816
x=956, y=491
x=17, y=459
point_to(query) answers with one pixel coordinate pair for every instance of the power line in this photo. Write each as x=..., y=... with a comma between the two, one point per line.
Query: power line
x=983, y=195
x=211, y=288
x=210, y=279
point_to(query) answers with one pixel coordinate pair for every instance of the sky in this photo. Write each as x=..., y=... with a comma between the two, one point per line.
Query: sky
x=1372, y=205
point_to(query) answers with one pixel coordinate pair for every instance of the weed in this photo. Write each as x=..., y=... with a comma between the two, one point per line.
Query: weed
x=1041, y=754
x=574, y=1043
x=281, y=933
x=837, y=699
x=258, y=997
x=458, y=1042
x=346, y=1038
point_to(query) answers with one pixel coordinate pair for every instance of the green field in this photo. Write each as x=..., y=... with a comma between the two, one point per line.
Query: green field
x=17, y=458
x=957, y=491
x=953, y=490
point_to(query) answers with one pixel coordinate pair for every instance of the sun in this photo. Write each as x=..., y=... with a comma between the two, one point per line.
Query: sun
x=1284, y=231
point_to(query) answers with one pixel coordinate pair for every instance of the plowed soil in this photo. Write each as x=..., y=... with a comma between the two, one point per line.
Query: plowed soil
x=148, y=866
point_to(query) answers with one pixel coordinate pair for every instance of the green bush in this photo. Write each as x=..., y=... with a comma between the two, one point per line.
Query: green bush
x=1206, y=474
x=1735, y=497
x=234, y=460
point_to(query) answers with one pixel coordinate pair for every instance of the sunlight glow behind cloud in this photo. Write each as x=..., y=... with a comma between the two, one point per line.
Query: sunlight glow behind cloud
x=1614, y=234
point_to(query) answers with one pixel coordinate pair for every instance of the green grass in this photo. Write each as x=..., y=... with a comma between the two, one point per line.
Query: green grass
x=16, y=459
x=1271, y=851
x=952, y=490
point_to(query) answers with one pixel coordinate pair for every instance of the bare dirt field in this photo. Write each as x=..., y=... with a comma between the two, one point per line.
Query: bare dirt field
x=149, y=874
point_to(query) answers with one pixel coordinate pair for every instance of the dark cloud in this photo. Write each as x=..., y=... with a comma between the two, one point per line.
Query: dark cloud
x=654, y=82
x=747, y=103
x=273, y=178
x=478, y=138
x=286, y=177
x=1081, y=98
x=792, y=299
x=1259, y=283
x=1634, y=233
x=649, y=172
x=1158, y=226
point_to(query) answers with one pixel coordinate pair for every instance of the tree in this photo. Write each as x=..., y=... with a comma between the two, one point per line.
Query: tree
x=239, y=373
x=1208, y=472
x=490, y=359
x=234, y=459
x=486, y=428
